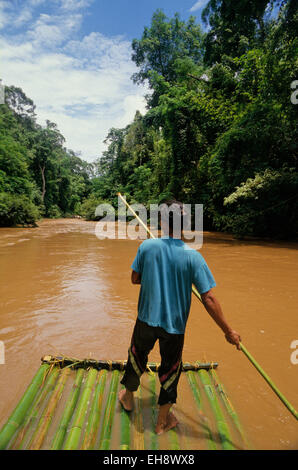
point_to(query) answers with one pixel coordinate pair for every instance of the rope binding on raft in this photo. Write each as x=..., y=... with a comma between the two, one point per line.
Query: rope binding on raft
x=63, y=361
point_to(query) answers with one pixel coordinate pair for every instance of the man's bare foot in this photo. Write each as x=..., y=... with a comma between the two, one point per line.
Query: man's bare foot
x=171, y=422
x=126, y=399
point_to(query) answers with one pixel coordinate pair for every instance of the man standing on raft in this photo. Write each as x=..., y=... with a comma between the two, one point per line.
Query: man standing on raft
x=166, y=268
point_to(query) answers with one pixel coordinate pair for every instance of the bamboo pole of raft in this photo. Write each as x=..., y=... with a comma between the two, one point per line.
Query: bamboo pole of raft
x=68, y=412
x=124, y=429
x=173, y=438
x=229, y=407
x=18, y=415
x=152, y=433
x=106, y=432
x=270, y=382
x=73, y=438
x=47, y=415
x=95, y=412
x=30, y=420
x=222, y=426
x=194, y=387
x=138, y=438
x=242, y=347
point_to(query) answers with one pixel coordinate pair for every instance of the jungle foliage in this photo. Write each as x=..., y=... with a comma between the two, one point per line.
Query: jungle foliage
x=39, y=177
x=220, y=128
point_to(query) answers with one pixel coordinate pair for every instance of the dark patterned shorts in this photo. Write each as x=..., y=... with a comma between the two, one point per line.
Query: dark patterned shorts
x=170, y=345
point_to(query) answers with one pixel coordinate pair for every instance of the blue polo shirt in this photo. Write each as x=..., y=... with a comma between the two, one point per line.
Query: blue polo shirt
x=168, y=268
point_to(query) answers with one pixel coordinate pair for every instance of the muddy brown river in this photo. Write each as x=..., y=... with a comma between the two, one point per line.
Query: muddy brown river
x=65, y=292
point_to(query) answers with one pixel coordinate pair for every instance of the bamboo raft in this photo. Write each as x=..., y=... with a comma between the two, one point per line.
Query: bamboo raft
x=72, y=404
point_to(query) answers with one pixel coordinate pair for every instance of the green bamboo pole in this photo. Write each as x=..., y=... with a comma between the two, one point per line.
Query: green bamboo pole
x=18, y=415
x=229, y=407
x=269, y=381
x=68, y=412
x=154, y=413
x=47, y=415
x=222, y=426
x=94, y=417
x=138, y=438
x=173, y=438
x=73, y=438
x=124, y=429
x=106, y=432
x=194, y=387
x=31, y=417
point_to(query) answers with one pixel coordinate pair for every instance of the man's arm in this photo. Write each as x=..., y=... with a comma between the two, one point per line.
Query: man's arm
x=135, y=277
x=213, y=307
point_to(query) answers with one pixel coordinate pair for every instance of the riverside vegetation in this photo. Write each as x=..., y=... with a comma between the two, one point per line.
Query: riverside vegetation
x=220, y=129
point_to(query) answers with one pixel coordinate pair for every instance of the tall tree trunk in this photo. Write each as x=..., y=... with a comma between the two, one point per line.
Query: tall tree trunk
x=42, y=170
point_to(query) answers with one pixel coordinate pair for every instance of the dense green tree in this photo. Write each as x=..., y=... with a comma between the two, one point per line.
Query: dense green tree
x=235, y=27
x=161, y=46
x=47, y=142
x=37, y=174
x=165, y=42
x=216, y=126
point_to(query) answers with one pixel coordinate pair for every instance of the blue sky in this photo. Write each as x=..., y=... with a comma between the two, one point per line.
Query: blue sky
x=128, y=17
x=72, y=57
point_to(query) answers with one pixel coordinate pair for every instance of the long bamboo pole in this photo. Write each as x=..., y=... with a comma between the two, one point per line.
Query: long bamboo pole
x=173, y=439
x=229, y=407
x=154, y=412
x=269, y=381
x=242, y=347
x=47, y=415
x=94, y=417
x=125, y=429
x=73, y=438
x=105, y=437
x=138, y=437
x=68, y=412
x=30, y=421
x=223, y=429
x=193, y=384
x=18, y=415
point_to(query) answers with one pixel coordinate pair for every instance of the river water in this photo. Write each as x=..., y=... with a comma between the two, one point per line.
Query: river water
x=65, y=292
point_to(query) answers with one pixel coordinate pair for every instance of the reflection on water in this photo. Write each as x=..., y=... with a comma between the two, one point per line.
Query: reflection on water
x=63, y=291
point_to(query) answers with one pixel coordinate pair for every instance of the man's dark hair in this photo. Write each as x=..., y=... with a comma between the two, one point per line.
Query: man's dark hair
x=176, y=210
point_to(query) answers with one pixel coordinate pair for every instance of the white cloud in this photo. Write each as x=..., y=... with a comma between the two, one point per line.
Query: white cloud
x=198, y=5
x=52, y=31
x=36, y=3
x=74, y=4
x=17, y=15
x=65, y=4
x=4, y=13
x=84, y=86
x=23, y=17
